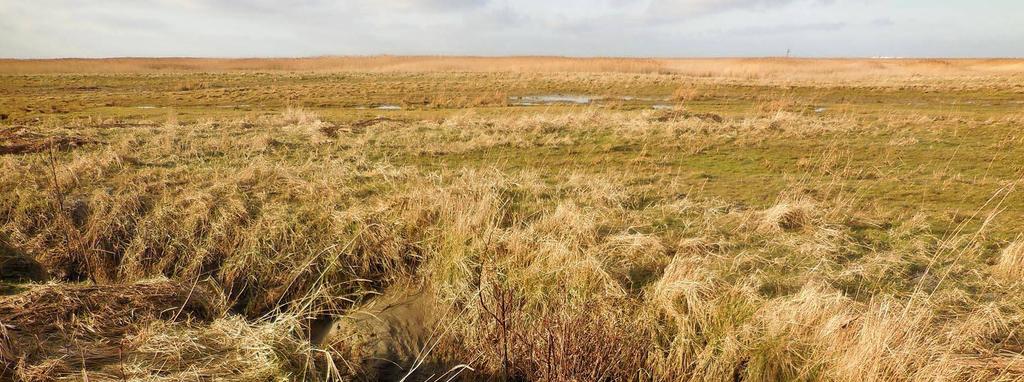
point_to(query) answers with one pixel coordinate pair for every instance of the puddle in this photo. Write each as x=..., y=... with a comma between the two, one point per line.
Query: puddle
x=230, y=106
x=534, y=100
x=147, y=107
x=820, y=110
x=577, y=99
x=661, y=106
x=388, y=107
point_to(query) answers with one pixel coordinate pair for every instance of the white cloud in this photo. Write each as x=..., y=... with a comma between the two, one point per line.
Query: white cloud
x=50, y=28
x=690, y=8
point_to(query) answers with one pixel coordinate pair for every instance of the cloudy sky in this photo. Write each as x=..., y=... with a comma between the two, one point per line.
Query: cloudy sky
x=671, y=28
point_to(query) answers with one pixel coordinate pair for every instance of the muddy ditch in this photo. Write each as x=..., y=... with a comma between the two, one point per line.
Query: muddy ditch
x=392, y=334
x=17, y=267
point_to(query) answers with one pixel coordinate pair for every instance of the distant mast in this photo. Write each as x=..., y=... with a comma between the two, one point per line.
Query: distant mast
x=787, y=52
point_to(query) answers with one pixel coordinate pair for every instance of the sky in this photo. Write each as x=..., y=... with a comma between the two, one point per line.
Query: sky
x=640, y=28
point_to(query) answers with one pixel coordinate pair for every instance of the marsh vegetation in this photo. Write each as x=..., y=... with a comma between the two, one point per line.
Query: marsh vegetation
x=266, y=220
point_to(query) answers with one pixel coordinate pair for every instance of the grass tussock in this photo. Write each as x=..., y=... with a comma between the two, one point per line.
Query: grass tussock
x=1011, y=262
x=790, y=215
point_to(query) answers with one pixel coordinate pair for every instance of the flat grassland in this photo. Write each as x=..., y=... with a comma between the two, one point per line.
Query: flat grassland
x=526, y=218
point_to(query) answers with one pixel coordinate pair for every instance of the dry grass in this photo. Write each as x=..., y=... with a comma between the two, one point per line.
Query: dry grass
x=17, y=140
x=745, y=68
x=55, y=331
x=1011, y=262
x=560, y=245
x=792, y=215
